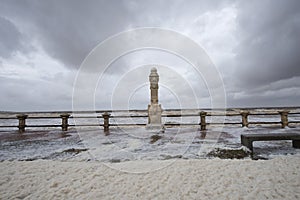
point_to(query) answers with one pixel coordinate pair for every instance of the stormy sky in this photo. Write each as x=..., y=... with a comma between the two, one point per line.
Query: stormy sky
x=254, y=46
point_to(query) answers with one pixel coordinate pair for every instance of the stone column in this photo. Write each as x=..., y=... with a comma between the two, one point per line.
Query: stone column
x=154, y=109
x=22, y=122
x=64, y=121
x=202, y=120
x=154, y=78
x=284, y=118
x=245, y=122
x=106, y=121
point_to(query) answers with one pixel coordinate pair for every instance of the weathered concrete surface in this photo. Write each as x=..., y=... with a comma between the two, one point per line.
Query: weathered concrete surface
x=154, y=109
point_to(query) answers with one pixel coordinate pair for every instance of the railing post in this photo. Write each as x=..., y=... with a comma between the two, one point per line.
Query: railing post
x=106, y=121
x=202, y=120
x=64, y=121
x=245, y=122
x=22, y=122
x=284, y=118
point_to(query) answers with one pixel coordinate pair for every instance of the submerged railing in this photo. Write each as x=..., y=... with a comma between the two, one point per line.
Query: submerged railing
x=201, y=117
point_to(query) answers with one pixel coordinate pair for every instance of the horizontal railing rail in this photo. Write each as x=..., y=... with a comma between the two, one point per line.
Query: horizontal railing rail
x=104, y=118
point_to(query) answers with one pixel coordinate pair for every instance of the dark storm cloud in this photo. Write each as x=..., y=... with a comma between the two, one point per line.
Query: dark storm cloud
x=10, y=38
x=68, y=30
x=269, y=42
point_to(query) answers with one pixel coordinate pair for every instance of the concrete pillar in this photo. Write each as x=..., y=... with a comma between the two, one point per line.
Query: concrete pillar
x=154, y=109
x=64, y=121
x=284, y=118
x=245, y=122
x=154, y=78
x=106, y=121
x=202, y=120
x=22, y=122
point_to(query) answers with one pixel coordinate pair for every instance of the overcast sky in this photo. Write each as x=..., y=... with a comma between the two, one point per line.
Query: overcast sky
x=255, y=46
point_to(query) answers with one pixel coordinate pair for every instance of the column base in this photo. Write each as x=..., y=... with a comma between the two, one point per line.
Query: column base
x=157, y=128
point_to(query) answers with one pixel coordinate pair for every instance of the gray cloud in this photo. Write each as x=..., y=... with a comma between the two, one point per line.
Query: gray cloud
x=26, y=95
x=10, y=38
x=269, y=42
x=68, y=30
x=257, y=57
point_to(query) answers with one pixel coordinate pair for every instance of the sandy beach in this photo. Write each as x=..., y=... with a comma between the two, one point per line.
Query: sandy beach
x=278, y=178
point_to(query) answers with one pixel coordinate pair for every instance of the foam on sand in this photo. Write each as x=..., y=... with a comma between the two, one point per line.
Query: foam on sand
x=278, y=178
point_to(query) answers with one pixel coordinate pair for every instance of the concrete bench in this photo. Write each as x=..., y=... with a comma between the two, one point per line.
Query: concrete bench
x=248, y=139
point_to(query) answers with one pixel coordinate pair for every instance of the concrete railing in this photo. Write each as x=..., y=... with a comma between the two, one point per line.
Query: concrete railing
x=202, y=115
